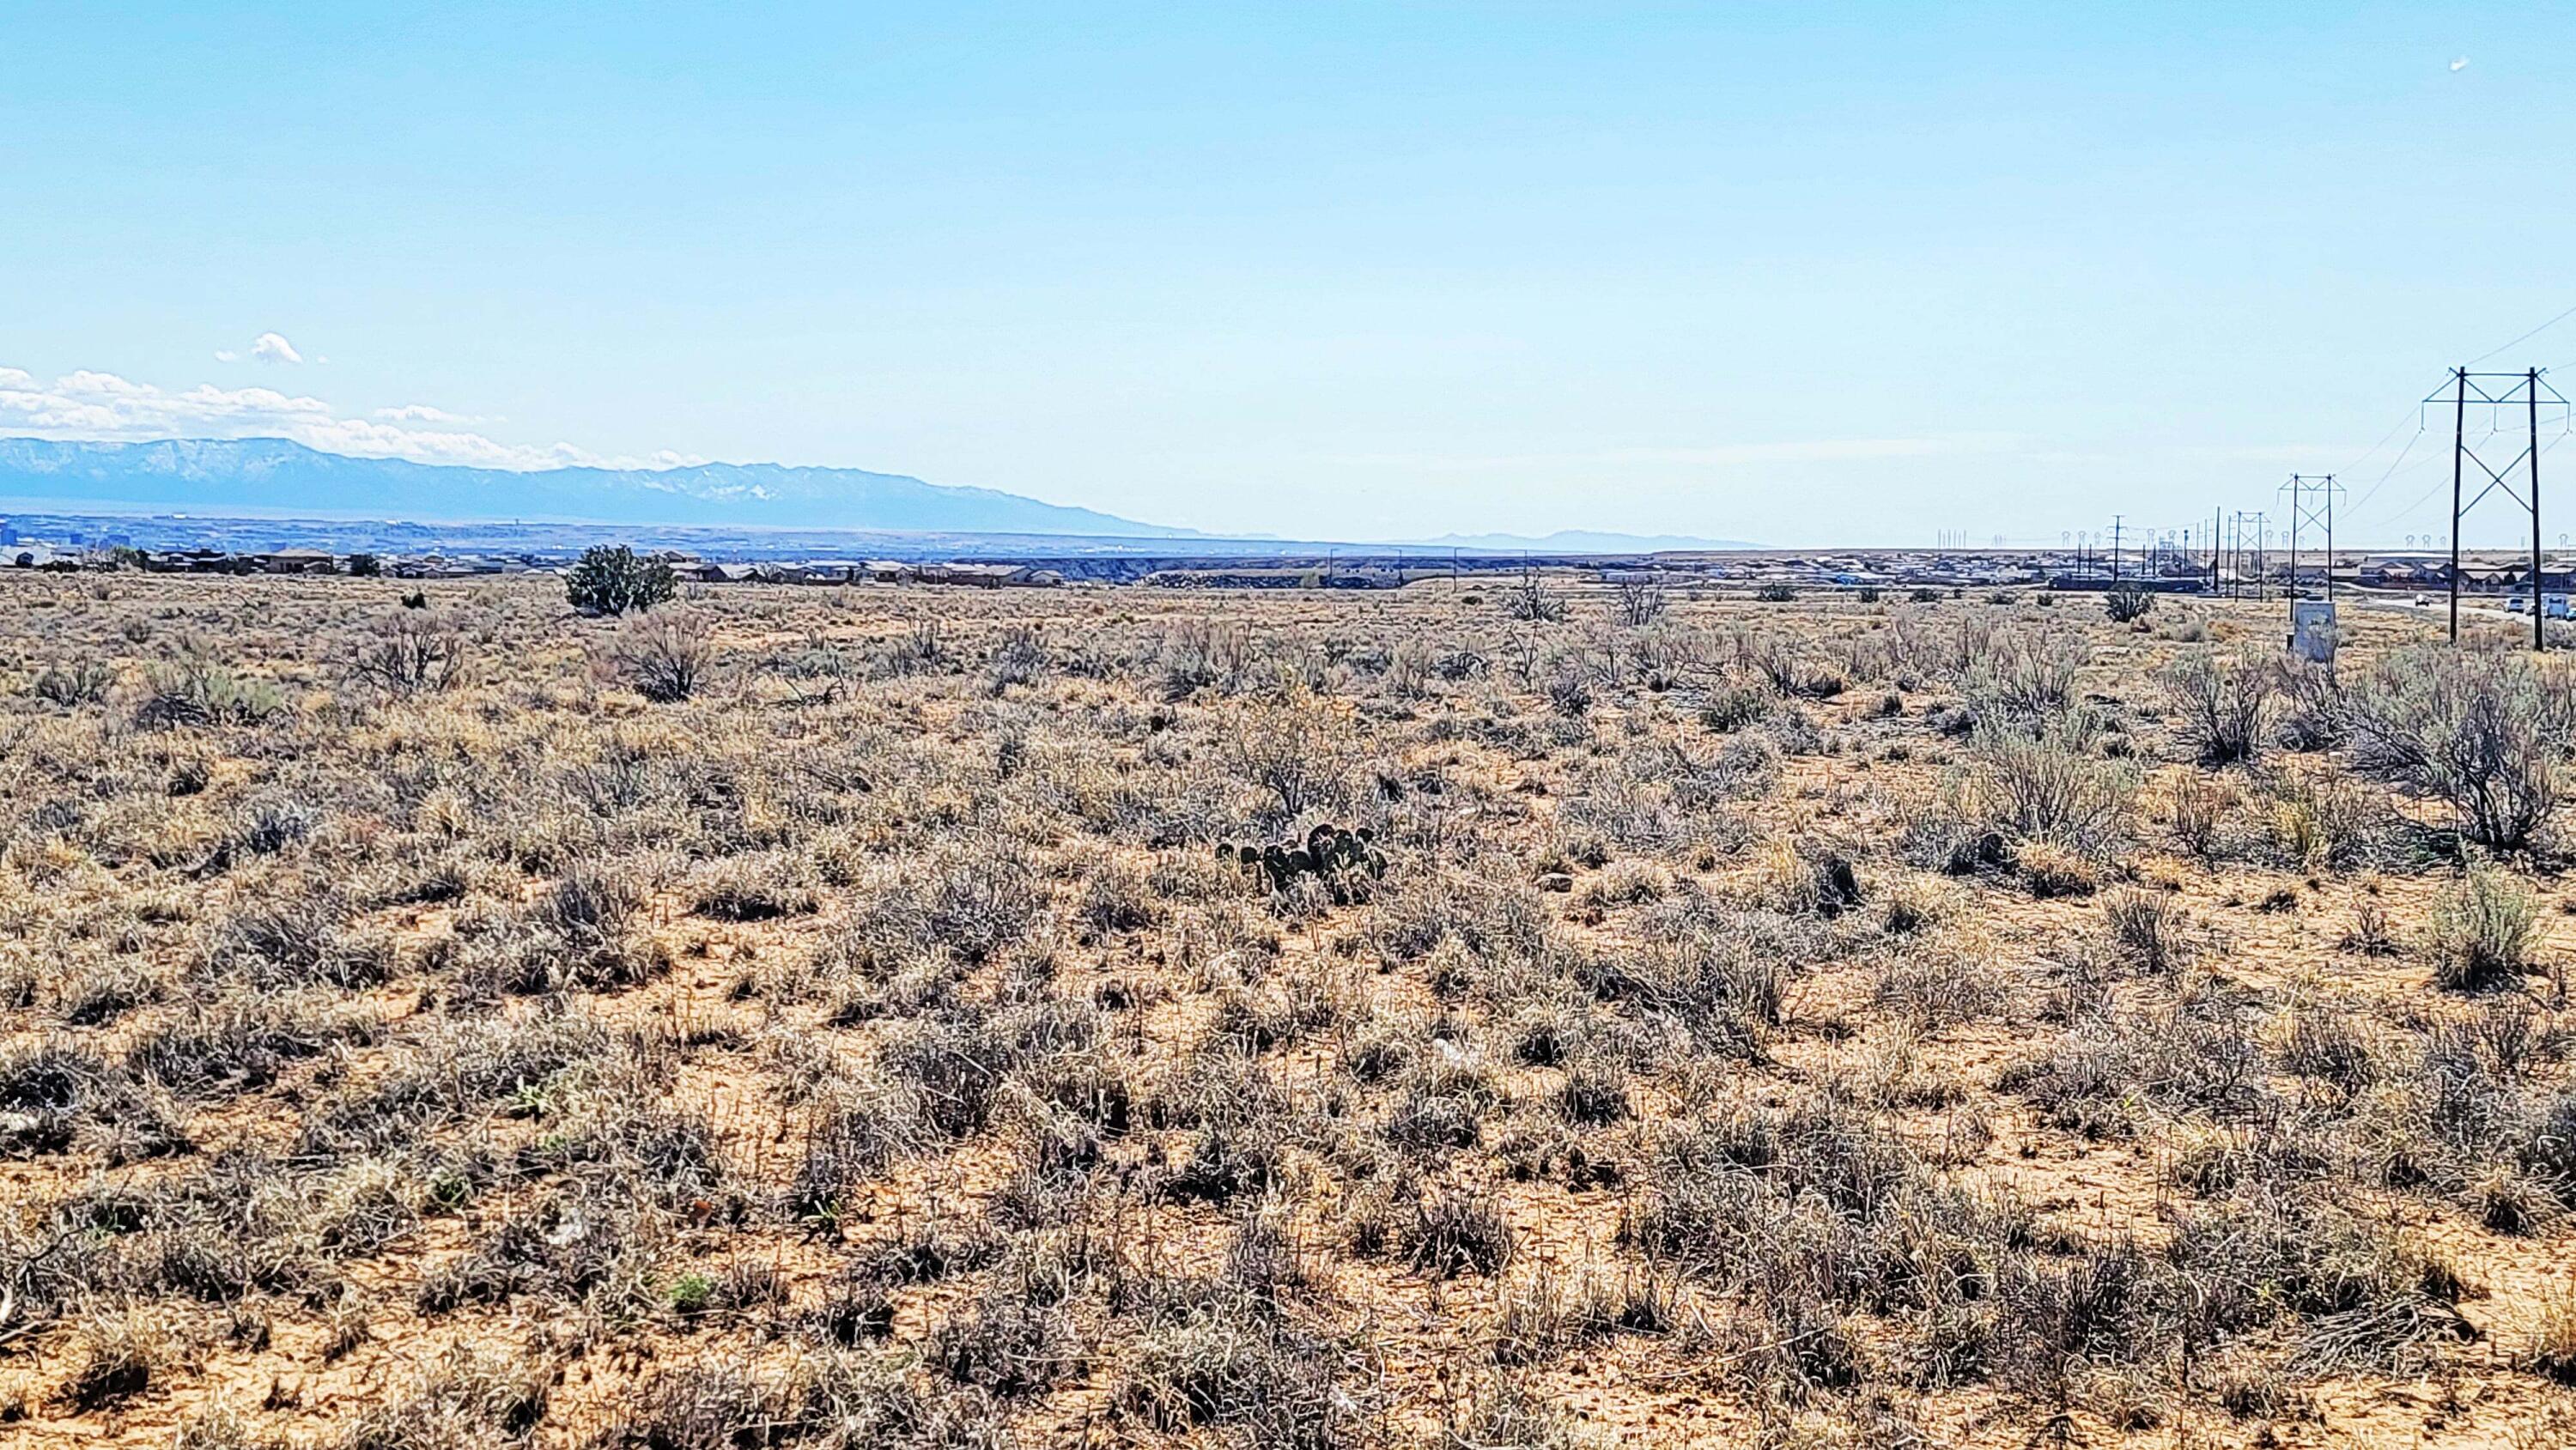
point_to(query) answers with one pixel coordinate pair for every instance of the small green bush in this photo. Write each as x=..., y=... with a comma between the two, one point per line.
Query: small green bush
x=614, y=580
x=2129, y=603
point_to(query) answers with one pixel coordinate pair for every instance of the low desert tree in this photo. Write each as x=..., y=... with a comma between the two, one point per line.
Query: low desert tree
x=613, y=580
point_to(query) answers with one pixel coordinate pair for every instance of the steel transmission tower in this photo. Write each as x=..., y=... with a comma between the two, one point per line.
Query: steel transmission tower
x=2311, y=498
x=2499, y=395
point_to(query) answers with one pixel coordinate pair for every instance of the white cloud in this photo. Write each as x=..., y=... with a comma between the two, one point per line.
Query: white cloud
x=103, y=407
x=421, y=413
x=269, y=347
x=225, y=354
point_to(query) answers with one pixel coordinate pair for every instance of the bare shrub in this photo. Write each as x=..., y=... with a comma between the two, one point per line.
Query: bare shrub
x=1211, y=1354
x=971, y=896
x=2485, y=733
x=411, y=652
x=1298, y=751
x=2369, y=934
x=2015, y=677
x=920, y=650
x=1530, y=600
x=2480, y=933
x=194, y=688
x=1452, y=1231
x=2199, y=807
x=2045, y=787
x=2195, y=1056
x=1640, y=600
x=1019, y=657
x=77, y=682
x=119, y=1355
x=665, y=655
x=2225, y=704
x=2151, y=927
x=2313, y=714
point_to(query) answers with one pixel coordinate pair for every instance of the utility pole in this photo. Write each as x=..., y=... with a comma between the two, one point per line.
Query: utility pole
x=2262, y=561
x=2115, y=548
x=2459, y=452
x=2531, y=407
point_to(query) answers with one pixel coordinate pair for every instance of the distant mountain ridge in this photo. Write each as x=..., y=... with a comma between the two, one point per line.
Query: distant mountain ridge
x=210, y=475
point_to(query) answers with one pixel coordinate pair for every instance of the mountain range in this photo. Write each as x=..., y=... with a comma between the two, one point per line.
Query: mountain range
x=273, y=474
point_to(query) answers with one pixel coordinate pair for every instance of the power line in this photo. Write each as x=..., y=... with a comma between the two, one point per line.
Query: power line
x=2394, y=462
x=2416, y=412
x=2526, y=337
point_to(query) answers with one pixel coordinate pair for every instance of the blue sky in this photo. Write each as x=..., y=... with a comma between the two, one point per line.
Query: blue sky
x=1792, y=273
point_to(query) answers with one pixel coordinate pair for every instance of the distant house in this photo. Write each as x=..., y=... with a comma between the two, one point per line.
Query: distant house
x=990, y=576
x=295, y=561
x=834, y=571
x=443, y=566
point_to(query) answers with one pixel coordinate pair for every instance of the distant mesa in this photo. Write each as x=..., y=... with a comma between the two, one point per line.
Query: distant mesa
x=275, y=475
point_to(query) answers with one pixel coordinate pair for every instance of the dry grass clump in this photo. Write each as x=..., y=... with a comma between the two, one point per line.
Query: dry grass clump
x=847, y=1016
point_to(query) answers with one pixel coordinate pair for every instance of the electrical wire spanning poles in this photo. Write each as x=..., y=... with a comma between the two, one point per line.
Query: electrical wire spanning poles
x=2311, y=498
x=2500, y=395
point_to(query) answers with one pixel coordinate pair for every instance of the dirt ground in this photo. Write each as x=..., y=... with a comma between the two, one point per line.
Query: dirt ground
x=1483, y=1013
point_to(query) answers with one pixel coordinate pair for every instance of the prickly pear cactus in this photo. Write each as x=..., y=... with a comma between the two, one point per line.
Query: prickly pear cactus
x=1345, y=861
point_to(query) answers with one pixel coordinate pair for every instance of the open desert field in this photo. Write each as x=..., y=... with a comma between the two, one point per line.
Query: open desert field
x=886, y=1017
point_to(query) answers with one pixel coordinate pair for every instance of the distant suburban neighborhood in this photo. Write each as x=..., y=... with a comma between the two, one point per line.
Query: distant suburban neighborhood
x=187, y=545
